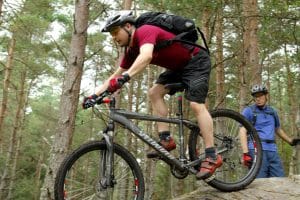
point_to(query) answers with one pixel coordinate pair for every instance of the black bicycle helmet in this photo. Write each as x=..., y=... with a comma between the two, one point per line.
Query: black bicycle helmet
x=118, y=20
x=259, y=88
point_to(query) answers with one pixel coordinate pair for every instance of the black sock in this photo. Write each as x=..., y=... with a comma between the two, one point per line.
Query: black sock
x=164, y=135
x=210, y=153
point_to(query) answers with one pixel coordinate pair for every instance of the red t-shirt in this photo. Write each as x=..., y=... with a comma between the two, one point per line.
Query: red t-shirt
x=172, y=57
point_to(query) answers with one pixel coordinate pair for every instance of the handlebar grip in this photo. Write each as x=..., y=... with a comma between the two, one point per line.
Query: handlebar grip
x=100, y=99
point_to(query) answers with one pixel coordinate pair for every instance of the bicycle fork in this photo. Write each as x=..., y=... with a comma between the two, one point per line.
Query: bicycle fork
x=107, y=158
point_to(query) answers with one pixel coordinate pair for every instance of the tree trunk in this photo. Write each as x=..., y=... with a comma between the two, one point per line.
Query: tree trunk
x=127, y=4
x=6, y=81
x=1, y=4
x=69, y=98
x=293, y=110
x=137, y=109
x=20, y=114
x=8, y=178
x=249, y=64
x=149, y=167
x=220, y=77
x=128, y=137
x=205, y=23
x=38, y=171
x=206, y=31
x=250, y=14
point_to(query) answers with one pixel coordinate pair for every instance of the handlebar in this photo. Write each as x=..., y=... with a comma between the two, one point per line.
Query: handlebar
x=102, y=100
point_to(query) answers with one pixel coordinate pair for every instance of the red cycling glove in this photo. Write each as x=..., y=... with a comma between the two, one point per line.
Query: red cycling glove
x=247, y=160
x=117, y=82
x=89, y=101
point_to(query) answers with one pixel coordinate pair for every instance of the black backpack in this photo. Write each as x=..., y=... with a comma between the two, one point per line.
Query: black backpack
x=184, y=29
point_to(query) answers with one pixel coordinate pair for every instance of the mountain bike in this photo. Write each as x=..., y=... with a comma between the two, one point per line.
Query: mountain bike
x=103, y=169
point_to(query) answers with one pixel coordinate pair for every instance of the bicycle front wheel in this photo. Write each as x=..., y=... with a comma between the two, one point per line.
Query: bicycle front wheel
x=232, y=175
x=82, y=174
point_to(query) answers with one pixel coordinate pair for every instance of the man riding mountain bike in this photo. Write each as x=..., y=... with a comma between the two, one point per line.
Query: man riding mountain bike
x=188, y=65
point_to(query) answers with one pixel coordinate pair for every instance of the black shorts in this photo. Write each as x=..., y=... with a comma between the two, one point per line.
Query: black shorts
x=194, y=76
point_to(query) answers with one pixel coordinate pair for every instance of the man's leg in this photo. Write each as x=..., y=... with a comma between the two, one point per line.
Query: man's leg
x=264, y=168
x=205, y=122
x=156, y=95
x=275, y=164
x=195, y=76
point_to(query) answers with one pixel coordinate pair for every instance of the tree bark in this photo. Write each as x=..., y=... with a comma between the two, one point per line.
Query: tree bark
x=250, y=14
x=3, y=108
x=206, y=31
x=127, y=4
x=293, y=110
x=249, y=64
x=1, y=4
x=20, y=113
x=137, y=109
x=69, y=98
x=205, y=25
x=6, y=81
x=220, y=74
x=149, y=167
x=8, y=177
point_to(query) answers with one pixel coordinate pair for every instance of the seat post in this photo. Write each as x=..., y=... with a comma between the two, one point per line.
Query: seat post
x=179, y=113
x=179, y=102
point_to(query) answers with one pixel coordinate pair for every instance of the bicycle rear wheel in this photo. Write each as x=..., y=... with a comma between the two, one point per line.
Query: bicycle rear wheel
x=232, y=175
x=80, y=175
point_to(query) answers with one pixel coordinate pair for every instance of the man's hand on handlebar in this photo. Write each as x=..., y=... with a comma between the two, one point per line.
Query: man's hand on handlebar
x=89, y=101
x=114, y=84
x=117, y=82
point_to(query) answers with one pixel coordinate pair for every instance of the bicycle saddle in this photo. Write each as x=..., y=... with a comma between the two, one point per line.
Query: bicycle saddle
x=175, y=87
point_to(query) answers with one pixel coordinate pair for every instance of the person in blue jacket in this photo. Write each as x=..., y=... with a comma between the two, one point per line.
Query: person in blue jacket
x=266, y=121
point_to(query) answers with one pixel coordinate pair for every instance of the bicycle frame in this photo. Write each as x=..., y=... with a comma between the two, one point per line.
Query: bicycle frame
x=124, y=118
x=106, y=173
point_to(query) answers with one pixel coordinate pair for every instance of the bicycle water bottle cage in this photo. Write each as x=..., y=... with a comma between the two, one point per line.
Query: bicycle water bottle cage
x=175, y=87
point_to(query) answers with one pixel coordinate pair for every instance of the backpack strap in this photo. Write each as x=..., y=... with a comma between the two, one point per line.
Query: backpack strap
x=182, y=38
x=203, y=39
x=254, y=114
x=176, y=38
x=272, y=112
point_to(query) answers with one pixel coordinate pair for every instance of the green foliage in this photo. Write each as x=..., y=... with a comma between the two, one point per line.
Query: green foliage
x=162, y=181
x=25, y=188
